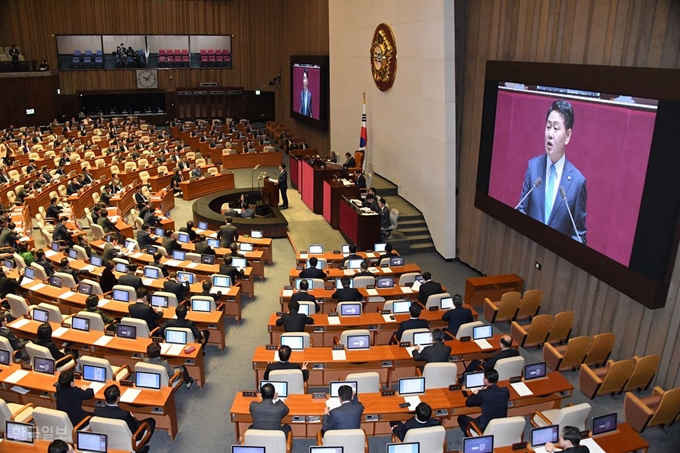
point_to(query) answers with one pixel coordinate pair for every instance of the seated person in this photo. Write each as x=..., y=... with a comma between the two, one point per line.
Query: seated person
x=413, y=323
x=436, y=352
x=67, y=269
x=347, y=416
x=111, y=410
x=170, y=243
x=284, y=364
x=312, y=271
x=352, y=255
x=61, y=233
x=92, y=306
x=364, y=270
x=506, y=351
x=181, y=320
x=206, y=286
x=248, y=212
x=269, y=413
x=44, y=339
x=293, y=321
x=303, y=295
x=570, y=442
x=347, y=293
x=131, y=279
x=157, y=263
x=202, y=248
x=421, y=419
x=144, y=238
x=492, y=399
x=388, y=252
x=173, y=285
x=227, y=269
x=457, y=316
x=70, y=397
x=189, y=229
x=40, y=259
x=153, y=355
x=142, y=310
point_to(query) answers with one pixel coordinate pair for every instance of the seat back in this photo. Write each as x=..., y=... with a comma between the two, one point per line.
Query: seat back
x=440, y=375
x=6, y=345
x=193, y=257
x=368, y=382
x=141, y=326
x=318, y=283
x=172, y=299
x=5, y=415
x=296, y=383
x=346, y=333
x=82, y=253
x=34, y=350
x=96, y=288
x=53, y=312
x=529, y=304
x=561, y=328
x=668, y=409
x=577, y=348
x=617, y=375
x=465, y=330
x=394, y=218
x=364, y=281
x=600, y=349
x=40, y=273
x=509, y=367
x=306, y=337
x=431, y=439
x=96, y=321
x=213, y=306
x=154, y=368
x=538, y=331
x=311, y=308
x=645, y=370
x=573, y=416
x=117, y=432
x=434, y=300
x=97, y=231
x=508, y=306
x=96, y=361
x=353, y=440
x=407, y=335
x=132, y=294
x=505, y=431
x=18, y=306
x=273, y=441
x=408, y=278
x=52, y=424
x=67, y=280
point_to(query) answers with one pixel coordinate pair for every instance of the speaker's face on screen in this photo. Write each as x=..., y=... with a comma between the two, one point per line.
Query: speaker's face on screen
x=305, y=81
x=556, y=136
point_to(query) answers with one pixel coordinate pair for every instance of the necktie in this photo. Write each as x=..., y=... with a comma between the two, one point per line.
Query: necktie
x=549, y=194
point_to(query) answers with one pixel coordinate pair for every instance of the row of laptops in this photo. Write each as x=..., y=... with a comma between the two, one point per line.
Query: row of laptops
x=317, y=249
x=85, y=441
x=380, y=282
x=409, y=447
x=255, y=234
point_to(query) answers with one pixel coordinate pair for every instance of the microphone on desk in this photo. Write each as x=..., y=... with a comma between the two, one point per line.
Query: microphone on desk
x=536, y=184
x=573, y=224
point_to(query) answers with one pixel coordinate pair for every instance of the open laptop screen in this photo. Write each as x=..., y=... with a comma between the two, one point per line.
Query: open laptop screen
x=474, y=380
x=334, y=386
x=85, y=288
x=80, y=323
x=175, y=336
x=404, y=447
x=221, y=281
x=396, y=261
x=91, y=442
x=401, y=306
x=96, y=260
x=29, y=272
x=482, y=332
x=40, y=315
x=245, y=246
x=73, y=254
x=160, y=232
x=379, y=247
x=483, y=444
x=202, y=225
x=316, y=249
x=55, y=281
x=122, y=268
x=159, y=301
x=422, y=338
x=212, y=242
x=247, y=449
x=5, y=356
x=338, y=283
x=604, y=424
x=354, y=264
x=186, y=277
x=121, y=295
x=355, y=342
x=347, y=309
x=208, y=259
x=19, y=432
x=326, y=450
x=534, y=371
x=125, y=331
x=446, y=303
x=179, y=255
x=183, y=237
x=256, y=234
x=148, y=380
x=239, y=263
x=296, y=343
x=345, y=249
x=202, y=305
x=541, y=436
x=412, y=386
x=384, y=282
x=280, y=387
x=43, y=365
x=151, y=272
x=94, y=373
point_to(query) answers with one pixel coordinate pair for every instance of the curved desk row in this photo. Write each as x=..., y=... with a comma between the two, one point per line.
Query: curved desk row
x=333, y=273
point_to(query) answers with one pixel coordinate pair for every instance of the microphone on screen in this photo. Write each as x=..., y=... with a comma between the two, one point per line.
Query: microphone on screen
x=573, y=224
x=536, y=184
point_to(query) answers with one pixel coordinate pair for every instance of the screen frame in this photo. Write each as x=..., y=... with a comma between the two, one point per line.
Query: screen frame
x=322, y=61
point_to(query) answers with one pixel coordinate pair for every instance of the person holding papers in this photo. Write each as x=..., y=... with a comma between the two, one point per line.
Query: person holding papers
x=570, y=441
x=111, y=410
x=506, y=351
x=347, y=415
x=153, y=356
x=457, y=316
x=70, y=397
x=422, y=419
x=284, y=364
x=436, y=352
x=491, y=398
x=268, y=413
x=294, y=321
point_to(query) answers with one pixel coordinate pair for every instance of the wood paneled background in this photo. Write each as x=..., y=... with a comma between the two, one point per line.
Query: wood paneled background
x=265, y=34
x=604, y=32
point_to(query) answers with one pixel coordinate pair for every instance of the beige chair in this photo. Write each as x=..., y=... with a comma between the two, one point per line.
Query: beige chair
x=465, y=330
x=311, y=308
x=18, y=306
x=132, y=294
x=51, y=424
x=296, y=384
x=364, y=281
x=33, y=350
x=95, y=197
x=408, y=278
x=367, y=382
x=210, y=300
x=67, y=280
x=119, y=435
x=116, y=373
x=644, y=372
x=306, y=337
x=96, y=321
x=12, y=412
x=505, y=431
x=533, y=335
x=7, y=346
x=172, y=301
x=97, y=231
x=140, y=325
x=407, y=335
x=435, y=299
x=439, y=375
x=661, y=408
x=503, y=310
x=54, y=315
x=144, y=176
x=529, y=304
x=193, y=257
x=606, y=380
x=431, y=439
x=509, y=367
x=82, y=253
x=571, y=415
x=561, y=328
x=100, y=163
x=346, y=333
x=600, y=349
x=274, y=441
x=353, y=440
x=566, y=357
x=19, y=261
x=96, y=288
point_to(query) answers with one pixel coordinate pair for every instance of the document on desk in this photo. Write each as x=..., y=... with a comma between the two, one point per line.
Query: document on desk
x=483, y=344
x=406, y=290
x=413, y=401
x=348, y=271
x=16, y=376
x=96, y=386
x=334, y=320
x=386, y=270
x=193, y=265
x=19, y=389
x=59, y=332
x=137, y=255
x=130, y=395
x=372, y=292
x=173, y=263
x=103, y=302
x=303, y=256
x=332, y=403
x=522, y=389
x=147, y=281
x=171, y=349
x=371, y=255
x=287, y=293
x=67, y=295
x=19, y=323
x=593, y=446
x=199, y=231
x=213, y=235
x=89, y=268
x=37, y=287
x=339, y=355
x=373, y=270
x=50, y=253
x=103, y=340
x=410, y=350
x=388, y=318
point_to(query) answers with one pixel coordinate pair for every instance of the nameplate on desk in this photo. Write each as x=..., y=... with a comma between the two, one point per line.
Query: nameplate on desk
x=338, y=347
x=435, y=308
x=109, y=333
x=279, y=313
x=464, y=338
x=370, y=286
x=333, y=313
x=26, y=366
x=329, y=288
x=387, y=393
x=157, y=339
x=519, y=446
x=271, y=347
x=125, y=383
x=299, y=268
x=384, y=265
x=318, y=366
x=249, y=394
x=385, y=312
x=319, y=395
x=27, y=316
x=454, y=387
x=66, y=325
x=336, y=252
x=515, y=379
x=405, y=344
x=288, y=288
x=371, y=417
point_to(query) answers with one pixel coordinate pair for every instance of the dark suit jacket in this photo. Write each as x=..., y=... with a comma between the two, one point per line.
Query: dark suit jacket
x=131, y=280
x=143, y=311
x=227, y=235
x=117, y=413
x=347, y=416
x=437, y=352
x=350, y=163
x=411, y=324
x=267, y=415
x=177, y=288
x=144, y=239
x=190, y=232
x=312, y=272
x=401, y=429
x=203, y=249
x=502, y=354
x=457, y=317
x=427, y=289
x=351, y=256
x=285, y=366
x=305, y=296
x=283, y=180
x=294, y=321
x=69, y=400
x=232, y=272
x=347, y=294
x=574, y=184
x=60, y=233
x=186, y=323
x=108, y=280
x=494, y=403
x=171, y=245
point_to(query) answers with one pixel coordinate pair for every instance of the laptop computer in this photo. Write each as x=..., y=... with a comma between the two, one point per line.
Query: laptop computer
x=379, y=247
x=482, y=444
x=482, y=332
x=151, y=249
x=256, y=234
x=354, y=264
x=175, y=336
x=179, y=255
x=94, y=373
x=159, y=301
x=281, y=387
x=396, y=261
x=8, y=264
x=5, y=357
x=541, y=436
x=183, y=237
x=147, y=380
x=247, y=449
x=73, y=254
x=124, y=331
x=334, y=386
x=401, y=306
x=534, y=371
x=186, y=277
x=239, y=263
x=159, y=231
x=202, y=225
x=80, y=323
x=96, y=260
x=130, y=245
x=212, y=242
x=446, y=303
x=403, y=447
x=40, y=315
x=91, y=442
x=221, y=281
x=55, y=246
x=295, y=342
x=605, y=424
x=304, y=309
x=315, y=249
x=350, y=309
x=423, y=338
x=474, y=380
x=55, y=281
x=121, y=295
x=384, y=282
x=207, y=259
x=151, y=272
x=345, y=249
x=245, y=246
x=412, y=386
x=19, y=432
x=326, y=449
x=43, y=365
x=122, y=268
x=358, y=342
x=202, y=305
x=29, y=273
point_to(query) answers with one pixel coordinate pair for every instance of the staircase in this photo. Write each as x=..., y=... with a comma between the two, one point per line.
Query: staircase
x=415, y=229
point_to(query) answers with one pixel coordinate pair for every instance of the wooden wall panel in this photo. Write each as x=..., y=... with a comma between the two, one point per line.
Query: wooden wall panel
x=265, y=34
x=39, y=93
x=610, y=32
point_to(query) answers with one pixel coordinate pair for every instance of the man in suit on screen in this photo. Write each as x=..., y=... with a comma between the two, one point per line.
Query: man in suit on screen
x=305, y=96
x=546, y=202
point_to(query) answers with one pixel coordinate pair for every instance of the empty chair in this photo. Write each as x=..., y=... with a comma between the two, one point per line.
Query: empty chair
x=465, y=330
x=21, y=413
x=274, y=441
x=394, y=223
x=40, y=273
x=296, y=382
x=34, y=350
x=529, y=304
x=566, y=357
x=571, y=415
x=97, y=232
x=528, y=336
x=67, y=280
x=119, y=435
x=561, y=328
x=509, y=367
x=353, y=440
x=505, y=431
x=18, y=306
x=52, y=424
x=54, y=315
x=607, y=380
x=364, y=281
x=644, y=372
x=600, y=349
x=368, y=382
x=440, y=375
x=19, y=261
x=661, y=408
x=435, y=299
x=408, y=278
x=503, y=310
x=432, y=439
x=142, y=328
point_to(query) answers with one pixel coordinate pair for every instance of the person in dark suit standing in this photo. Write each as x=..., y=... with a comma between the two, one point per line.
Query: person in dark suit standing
x=385, y=222
x=268, y=413
x=491, y=398
x=283, y=186
x=228, y=234
x=360, y=179
x=111, y=410
x=422, y=419
x=413, y=323
x=457, y=316
x=173, y=285
x=349, y=161
x=305, y=96
x=506, y=351
x=546, y=204
x=294, y=321
x=347, y=416
x=142, y=310
x=70, y=397
x=130, y=279
x=284, y=364
x=428, y=288
x=347, y=293
x=312, y=271
x=436, y=352
x=303, y=296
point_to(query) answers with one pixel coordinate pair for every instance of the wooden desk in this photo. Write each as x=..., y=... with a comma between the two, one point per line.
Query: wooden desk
x=205, y=186
x=372, y=302
x=333, y=191
x=124, y=200
x=312, y=183
x=245, y=160
x=333, y=273
x=384, y=409
x=335, y=259
x=358, y=228
x=264, y=244
x=164, y=200
x=83, y=199
x=493, y=287
x=270, y=193
x=39, y=446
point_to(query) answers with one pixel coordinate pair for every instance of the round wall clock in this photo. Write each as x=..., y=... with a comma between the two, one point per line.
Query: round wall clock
x=383, y=57
x=147, y=78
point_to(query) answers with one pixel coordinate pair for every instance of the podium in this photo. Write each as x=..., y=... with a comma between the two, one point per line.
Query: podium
x=270, y=193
